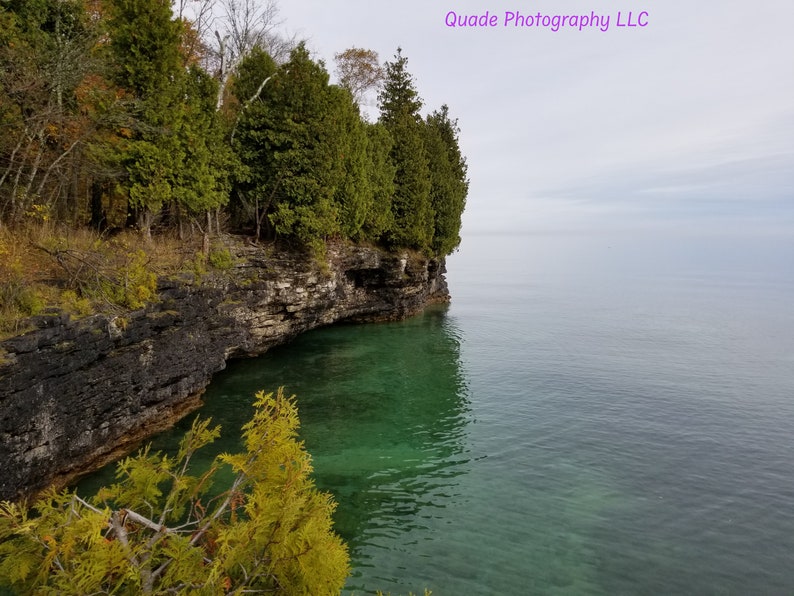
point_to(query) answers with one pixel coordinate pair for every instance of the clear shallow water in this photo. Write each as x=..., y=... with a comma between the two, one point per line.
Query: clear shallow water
x=591, y=415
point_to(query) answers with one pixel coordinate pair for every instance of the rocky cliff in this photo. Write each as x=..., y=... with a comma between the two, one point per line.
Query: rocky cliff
x=76, y=393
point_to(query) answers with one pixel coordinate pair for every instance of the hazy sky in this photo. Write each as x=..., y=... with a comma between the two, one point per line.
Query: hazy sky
x=688, y=121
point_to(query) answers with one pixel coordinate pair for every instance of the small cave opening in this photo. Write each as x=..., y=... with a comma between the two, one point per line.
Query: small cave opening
x=365, y=278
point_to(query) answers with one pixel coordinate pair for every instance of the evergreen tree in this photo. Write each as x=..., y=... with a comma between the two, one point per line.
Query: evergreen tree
x=398, y=95
x=161, y=529
x=176, y=154
x=202, y=180
x=354, y=195
x=145, y=46
x=106, y=100
x=449, y=185
x=380, y=173
x=254, y=188
x=287, y=139
x=145, y=43
x=399, y=112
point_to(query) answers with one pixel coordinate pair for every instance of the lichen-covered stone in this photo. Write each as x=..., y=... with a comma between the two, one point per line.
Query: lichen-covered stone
x=76, y=393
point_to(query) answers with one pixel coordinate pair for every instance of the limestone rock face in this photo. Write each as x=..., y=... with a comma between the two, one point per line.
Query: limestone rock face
x=75, y=394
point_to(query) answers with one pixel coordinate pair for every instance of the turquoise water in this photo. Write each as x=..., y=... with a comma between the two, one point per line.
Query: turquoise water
x=591, y=415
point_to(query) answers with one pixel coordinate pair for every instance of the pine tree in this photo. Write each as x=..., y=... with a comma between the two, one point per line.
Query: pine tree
x=145, y=46
x=449, y=185
x=288, y=140
x=399, y=112
x=380, y=172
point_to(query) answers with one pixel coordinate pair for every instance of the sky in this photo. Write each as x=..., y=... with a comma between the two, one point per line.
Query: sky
x=686, y=122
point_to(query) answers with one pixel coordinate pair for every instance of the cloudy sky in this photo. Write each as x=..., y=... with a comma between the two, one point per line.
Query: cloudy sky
x=686, y=122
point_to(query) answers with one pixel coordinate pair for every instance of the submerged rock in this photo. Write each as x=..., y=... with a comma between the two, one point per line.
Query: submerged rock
x=75, y=394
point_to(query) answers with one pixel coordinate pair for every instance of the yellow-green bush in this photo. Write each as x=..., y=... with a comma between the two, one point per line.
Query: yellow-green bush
x=159, y=530
x=199, y=266
x=18, y=297
x=221, y=259
x=135, y=284
x=74, y=304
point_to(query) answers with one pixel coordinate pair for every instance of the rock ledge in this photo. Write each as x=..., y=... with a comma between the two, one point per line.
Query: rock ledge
x=74, y=394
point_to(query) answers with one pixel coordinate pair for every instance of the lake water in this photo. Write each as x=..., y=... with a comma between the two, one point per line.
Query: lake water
x=602, y=414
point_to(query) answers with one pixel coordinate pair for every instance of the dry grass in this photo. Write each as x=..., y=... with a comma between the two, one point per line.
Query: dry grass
x=80, y=271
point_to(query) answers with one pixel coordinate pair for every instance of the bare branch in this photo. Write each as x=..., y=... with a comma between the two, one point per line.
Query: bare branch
x=249, y=102
x=359, y=71
x=247, y=24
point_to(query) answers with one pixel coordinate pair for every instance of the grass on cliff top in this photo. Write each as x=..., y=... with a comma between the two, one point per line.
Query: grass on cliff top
x=82, y=272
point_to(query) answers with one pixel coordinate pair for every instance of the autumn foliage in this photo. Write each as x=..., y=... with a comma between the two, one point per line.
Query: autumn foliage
x=165, y=528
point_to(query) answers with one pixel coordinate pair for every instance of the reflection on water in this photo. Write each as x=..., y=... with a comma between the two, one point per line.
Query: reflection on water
x=384, y=410
x=587, y=418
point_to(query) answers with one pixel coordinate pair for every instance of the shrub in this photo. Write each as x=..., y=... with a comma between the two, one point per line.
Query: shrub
x=221, y=259
x=18, y=297
x=159, y=529
x=134, y=285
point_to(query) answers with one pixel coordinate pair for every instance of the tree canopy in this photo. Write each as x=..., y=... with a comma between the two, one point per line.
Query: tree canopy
x=122, y=112
x=359, y=71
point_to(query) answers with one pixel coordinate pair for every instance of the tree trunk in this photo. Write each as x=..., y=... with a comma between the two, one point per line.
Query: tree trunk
x=15, y=189
x=13, y=157
x=98, y=216
x=145, y=218
x=258, y=220
x=35, y=170
x=207, y=231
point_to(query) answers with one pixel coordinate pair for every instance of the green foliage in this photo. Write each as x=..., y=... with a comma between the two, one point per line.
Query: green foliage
x=201, y=180
x=353, y=196
x=199, y=266
x=16, y=295
x=398, y=95
x=288, y=144
x=144, y=44
x=449, y=185
x=176, y=152
x=380, y=175
x=411, y=207
x=149, y=168
x=160, y=529
x=74, y=304
x=136, y=284
x=144, y=41
x=107, y=118
x=130, y=284
x=221, y=258
x=18, y=298
x=413, y=223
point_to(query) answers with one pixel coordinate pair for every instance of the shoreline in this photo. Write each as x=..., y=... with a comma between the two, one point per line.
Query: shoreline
x=78, y=393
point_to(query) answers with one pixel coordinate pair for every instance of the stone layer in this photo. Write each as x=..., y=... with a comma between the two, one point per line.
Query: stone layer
x=75, y=394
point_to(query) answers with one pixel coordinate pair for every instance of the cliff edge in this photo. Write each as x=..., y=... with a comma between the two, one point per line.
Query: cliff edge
x=74, y=394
